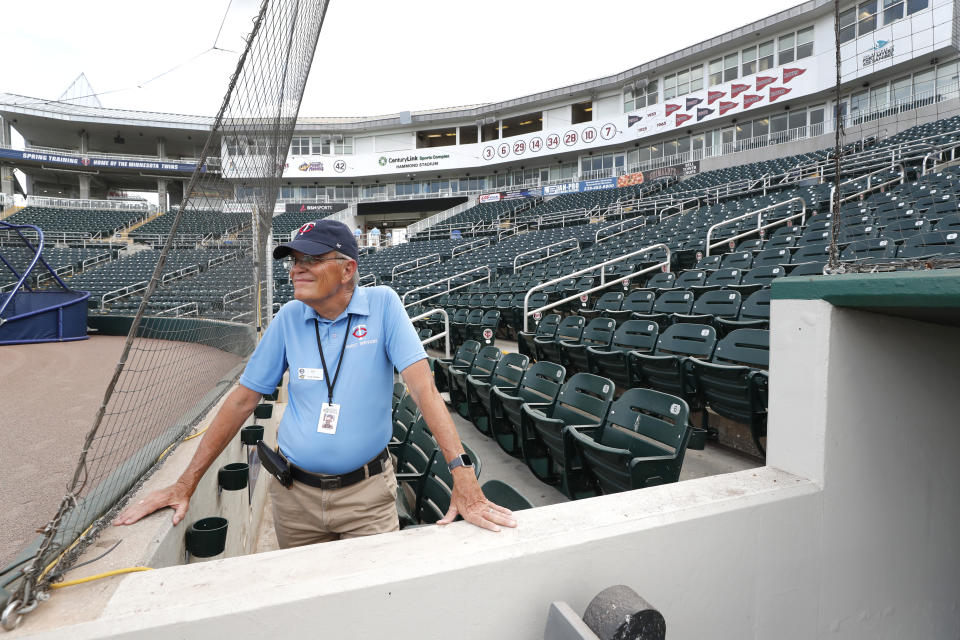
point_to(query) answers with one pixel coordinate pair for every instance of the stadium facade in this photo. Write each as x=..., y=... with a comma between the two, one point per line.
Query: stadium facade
x=734, y=98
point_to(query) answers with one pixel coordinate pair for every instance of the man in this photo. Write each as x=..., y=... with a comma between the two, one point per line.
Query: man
x=374, y=236
x=342, y=342
x=358, y=235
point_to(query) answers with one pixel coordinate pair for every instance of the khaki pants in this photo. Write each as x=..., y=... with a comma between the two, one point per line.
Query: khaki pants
x=306, y=515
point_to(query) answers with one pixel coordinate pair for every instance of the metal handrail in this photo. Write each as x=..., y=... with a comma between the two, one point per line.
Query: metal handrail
x=193, y=306
x=598, y=240
x=870, y=185
x=682, y=205
x=447, y=280
x=362, y=280
x=467, y=247
x=576, y=247
x=237, y=294
x=759, y=213
x=591, y=269
x=416, y=263
x=122, y=292
x=443, y=334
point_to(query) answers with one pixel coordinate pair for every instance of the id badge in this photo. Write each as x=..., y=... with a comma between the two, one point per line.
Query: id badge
x=329, y=415
x=306, y=373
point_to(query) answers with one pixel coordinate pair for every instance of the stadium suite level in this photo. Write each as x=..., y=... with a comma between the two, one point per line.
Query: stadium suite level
x=767, y=83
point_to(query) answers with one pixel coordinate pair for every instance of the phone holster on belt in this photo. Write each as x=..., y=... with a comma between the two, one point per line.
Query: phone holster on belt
x=275, y=464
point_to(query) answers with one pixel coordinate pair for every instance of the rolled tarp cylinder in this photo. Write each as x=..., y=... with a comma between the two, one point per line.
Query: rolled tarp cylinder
x=619, y=613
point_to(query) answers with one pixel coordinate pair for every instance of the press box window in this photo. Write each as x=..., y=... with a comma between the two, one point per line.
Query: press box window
x=581, y=112
x=436, y=138
x=892, y=10
x=715, y=70
x=490, y=131
x=848, y=25
x=520, y=125
x=866, y=17
x=804, y=43
x=730, y=67
x=916, y=5
x=468, y=135
x=785, y=49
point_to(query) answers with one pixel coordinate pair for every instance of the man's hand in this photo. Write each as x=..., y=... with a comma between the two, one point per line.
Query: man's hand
x=176, y=496
x=468, y=500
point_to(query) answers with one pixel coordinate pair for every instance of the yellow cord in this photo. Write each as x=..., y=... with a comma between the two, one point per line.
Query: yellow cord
x=190, y=437
x=65, y=551
x=198, y=433
x=107, y=574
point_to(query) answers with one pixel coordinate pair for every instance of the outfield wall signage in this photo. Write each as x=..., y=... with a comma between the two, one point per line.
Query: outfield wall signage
x=93, y=162
x=320, y=208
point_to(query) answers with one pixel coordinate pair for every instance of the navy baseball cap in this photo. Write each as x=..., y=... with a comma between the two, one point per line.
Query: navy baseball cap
x=318, y=237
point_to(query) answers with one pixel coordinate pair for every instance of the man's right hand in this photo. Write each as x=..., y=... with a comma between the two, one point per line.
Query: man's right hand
x=176, y=495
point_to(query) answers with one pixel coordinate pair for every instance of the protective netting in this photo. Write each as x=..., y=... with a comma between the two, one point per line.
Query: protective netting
x=204, y=294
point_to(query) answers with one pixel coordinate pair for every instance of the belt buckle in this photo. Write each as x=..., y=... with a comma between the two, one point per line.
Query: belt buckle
x=329, y=483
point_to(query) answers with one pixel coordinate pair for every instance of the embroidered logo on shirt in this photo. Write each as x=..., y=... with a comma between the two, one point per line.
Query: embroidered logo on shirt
x=360, y=331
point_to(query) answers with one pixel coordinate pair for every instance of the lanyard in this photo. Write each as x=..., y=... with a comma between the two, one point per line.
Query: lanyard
x=343, y=349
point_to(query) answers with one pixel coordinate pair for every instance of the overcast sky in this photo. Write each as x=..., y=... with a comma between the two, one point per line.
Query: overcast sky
x=374, y=56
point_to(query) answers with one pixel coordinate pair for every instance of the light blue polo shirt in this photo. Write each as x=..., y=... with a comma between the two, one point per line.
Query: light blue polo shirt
x=381, y=338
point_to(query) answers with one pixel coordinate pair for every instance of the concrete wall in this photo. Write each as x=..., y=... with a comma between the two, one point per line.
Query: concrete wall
x=849, y=532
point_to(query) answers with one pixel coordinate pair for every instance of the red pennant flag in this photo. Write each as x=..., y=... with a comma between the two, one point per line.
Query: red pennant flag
x=763, y=81
x=726, y=106
x=737, y=89
x=776, y=92
x=713, y=96
x=670, y=108
x=791, y=73
x=751, y=99
x=683, y=117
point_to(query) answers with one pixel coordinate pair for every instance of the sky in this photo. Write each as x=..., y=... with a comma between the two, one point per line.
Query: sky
x=374, y=56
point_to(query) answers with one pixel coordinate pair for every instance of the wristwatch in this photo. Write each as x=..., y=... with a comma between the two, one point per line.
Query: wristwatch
x=462, y=460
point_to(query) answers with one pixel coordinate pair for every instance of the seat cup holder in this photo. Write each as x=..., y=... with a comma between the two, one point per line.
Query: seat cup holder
x=233, y=476
x=251, y=434
x=263, y=411
x=206, y=538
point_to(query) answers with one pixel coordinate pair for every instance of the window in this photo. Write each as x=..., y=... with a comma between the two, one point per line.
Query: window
x=652, y=92
x=730, y=67
x=815, y=116
x=859, y=104
x=527, y=123
x=797, y=119
x=900, y=91
x=468, y=134
x=344, y=146
x=892, y=10
x=436, y=138
x=669, y=86
x=716, y=71
x=696, y=78
x=805, y=43
x=581, y=112
x=923, y=86
x=916, y=5
x=878, y=98
x=848, y=25
x=785, y=49
x=765, y=57
x=300, y=147
x=947, y=81
x=761, y=127
x=629, y=99
x=866, y=17
x=749, y=61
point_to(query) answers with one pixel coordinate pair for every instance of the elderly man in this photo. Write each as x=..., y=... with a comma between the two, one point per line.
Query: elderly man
x=343, y=342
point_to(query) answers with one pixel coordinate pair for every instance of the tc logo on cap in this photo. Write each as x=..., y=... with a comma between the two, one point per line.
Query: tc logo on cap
x=307, y=228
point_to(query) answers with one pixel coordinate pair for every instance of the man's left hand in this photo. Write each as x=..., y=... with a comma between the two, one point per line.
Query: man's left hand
x=468, y=501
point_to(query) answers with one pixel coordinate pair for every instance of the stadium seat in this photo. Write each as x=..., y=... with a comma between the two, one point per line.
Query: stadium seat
x=641, y=443
x=573, y=354
x=546, y=330
x=582, y=401
x=483, y=365
x=570, y=329
x=505, y=376
x=612, y=362
x=541, y=384
x=463, y=358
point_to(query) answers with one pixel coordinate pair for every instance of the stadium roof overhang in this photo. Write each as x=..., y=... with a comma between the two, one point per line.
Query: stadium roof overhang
x=48, y=123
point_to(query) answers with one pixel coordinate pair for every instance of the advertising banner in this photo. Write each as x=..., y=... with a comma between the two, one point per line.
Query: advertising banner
x=320, y=208
x=94, y=162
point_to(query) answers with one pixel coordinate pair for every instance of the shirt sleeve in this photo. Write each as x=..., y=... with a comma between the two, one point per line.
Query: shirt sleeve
x=402, y=342
x=265, y=368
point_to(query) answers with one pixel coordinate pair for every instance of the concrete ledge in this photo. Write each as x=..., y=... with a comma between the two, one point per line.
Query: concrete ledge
x=448, y=577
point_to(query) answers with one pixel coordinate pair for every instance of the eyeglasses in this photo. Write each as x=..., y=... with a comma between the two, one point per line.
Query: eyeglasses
x=305, y=261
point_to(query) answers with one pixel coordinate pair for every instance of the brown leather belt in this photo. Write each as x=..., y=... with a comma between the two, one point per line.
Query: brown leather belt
x=321, y=481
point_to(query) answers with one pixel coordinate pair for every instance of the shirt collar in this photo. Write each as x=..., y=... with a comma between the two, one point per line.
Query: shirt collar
x=359, y=305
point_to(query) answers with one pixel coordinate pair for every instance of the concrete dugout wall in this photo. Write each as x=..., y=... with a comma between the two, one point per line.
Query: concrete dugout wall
x=849, y=532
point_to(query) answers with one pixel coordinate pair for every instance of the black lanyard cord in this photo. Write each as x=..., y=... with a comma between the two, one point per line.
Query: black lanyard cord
x=343, y=349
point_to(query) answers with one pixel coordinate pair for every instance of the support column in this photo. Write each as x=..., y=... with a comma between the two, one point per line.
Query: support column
x=84, y=141
x=162, y=200
x=84, y=187
x=161, y=148
x=6, y=173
